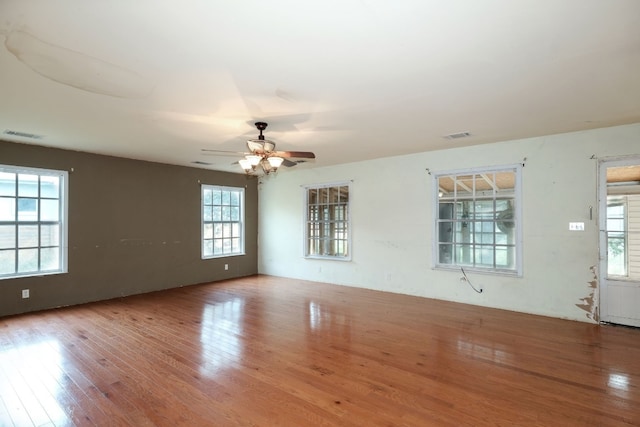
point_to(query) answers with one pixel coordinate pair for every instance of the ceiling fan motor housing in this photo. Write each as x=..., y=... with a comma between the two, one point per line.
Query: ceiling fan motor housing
x=261, y=126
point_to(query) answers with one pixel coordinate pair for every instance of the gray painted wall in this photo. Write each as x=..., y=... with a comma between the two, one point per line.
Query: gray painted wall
x=134, y=227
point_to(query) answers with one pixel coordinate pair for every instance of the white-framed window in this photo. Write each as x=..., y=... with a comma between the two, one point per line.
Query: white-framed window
x=327, y=221
x=33, y=221
x=222, y=221
x=478, y=219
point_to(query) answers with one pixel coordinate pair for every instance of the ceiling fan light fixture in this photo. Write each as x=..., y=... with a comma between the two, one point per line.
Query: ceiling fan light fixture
x=275, y=162
x=253, y=160
x=246, y=165
x=268, y=146
x=263, y=152
x=266, y=167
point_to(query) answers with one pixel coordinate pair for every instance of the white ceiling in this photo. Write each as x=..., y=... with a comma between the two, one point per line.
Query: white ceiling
x=349, y=80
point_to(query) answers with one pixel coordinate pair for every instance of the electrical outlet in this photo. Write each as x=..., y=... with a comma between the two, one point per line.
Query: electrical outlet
x=25, y=293
x=226, y=266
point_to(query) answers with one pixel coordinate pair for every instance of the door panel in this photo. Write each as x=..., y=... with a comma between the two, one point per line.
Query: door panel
x=619, y=194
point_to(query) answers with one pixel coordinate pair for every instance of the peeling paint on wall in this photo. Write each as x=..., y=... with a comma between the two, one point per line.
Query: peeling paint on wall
x=589, y=303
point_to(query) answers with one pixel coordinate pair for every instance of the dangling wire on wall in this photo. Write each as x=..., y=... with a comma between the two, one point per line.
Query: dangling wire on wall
x=466, y=279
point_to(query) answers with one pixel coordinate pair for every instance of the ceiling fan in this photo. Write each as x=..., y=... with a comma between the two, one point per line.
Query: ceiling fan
x=262, y=153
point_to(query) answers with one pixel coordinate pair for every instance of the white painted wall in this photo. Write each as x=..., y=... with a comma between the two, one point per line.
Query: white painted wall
x=391, y=208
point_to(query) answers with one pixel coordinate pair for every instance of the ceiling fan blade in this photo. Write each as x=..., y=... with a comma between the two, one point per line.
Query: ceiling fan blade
x=288, y=163
x=223, y=152
x=298, y=154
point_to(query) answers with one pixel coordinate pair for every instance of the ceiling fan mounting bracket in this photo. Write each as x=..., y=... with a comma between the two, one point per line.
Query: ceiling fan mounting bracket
x=261, y=126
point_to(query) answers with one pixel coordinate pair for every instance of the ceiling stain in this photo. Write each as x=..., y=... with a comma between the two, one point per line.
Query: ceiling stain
x=76, y=69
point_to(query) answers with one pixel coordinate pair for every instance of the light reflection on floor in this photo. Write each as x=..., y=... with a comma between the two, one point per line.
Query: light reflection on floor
x=34, y=373
x=222, y=325
x=619, y=382
x=480, y=351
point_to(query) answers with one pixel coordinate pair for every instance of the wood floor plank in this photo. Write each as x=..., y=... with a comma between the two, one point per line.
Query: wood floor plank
x=266, y=351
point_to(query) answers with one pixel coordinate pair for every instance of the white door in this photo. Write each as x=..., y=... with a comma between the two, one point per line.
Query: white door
x=619, y=214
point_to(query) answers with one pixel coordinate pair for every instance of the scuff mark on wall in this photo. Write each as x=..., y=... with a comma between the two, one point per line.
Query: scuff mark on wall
x=589, y=303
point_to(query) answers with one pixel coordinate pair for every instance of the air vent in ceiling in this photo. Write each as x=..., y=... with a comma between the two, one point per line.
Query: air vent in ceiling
x=457, y=135
x=198, y=162
x=22, y=134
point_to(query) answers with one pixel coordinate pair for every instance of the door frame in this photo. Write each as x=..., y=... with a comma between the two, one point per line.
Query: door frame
x=603, y=165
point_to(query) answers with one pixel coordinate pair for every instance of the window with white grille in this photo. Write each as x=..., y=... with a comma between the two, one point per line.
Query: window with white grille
x=327, y=230
x=222, y=221
x=33, y=226
x=477, y=219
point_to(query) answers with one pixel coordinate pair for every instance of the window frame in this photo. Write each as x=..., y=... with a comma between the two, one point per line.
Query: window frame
x=241, y=222
x=61, y=222
x=347, y=221
x=517, y=218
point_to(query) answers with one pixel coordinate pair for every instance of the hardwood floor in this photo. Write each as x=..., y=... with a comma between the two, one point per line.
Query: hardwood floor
x=266, y=351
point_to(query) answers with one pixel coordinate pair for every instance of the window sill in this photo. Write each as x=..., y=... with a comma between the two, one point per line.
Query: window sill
x=327, y=258
x=490, y=272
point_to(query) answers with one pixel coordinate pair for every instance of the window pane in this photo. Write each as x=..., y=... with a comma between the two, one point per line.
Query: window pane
x=217, y=230
x=226, y=198
x=207, y=248
x=323, y=196
x=27, y=260
x=235, y=198
x=217, y=213
x=50, y=235
x=27, y=185
x=50, y=187
x=7, y=236
x=235, y=245
x=226, y=230
x=334, y=194
x=484, y=255
x=27, y=236
x=235, y=213
x=464, y=254
x=506, y=257
x=7, y=184
x=49, y=259
x=27, y=209
x=207, y=214
x=217, y=246
x=226, y=213
x=7, y=209
x=7, y=262
x=208, y=231
x=49, y=210
x=344, y=194
x=312, y=196
x=217, y=197
x=445, y=252
x=207, y=197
